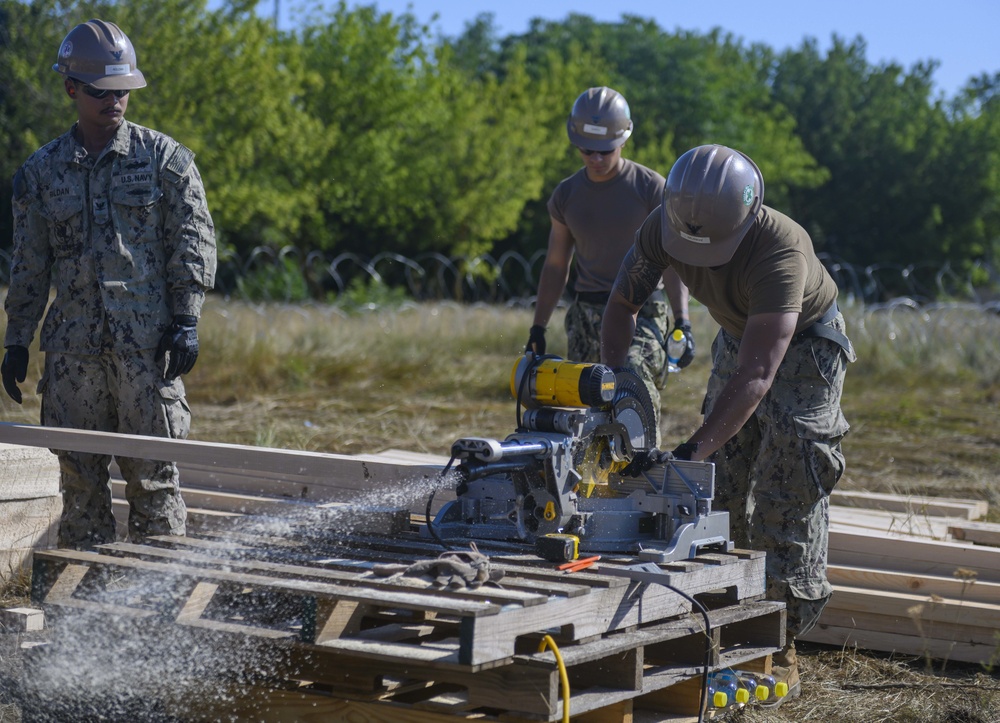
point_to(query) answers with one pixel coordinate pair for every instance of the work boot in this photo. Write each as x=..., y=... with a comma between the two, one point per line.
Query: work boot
x=785, y=669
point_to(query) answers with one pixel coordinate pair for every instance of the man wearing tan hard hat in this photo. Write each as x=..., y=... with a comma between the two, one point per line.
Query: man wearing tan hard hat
x=113, y=216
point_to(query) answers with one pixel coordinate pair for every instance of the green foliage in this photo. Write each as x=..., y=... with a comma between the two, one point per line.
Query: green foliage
x=366, y=293
x=361, y=132
x=904, y=182
x=282, y=281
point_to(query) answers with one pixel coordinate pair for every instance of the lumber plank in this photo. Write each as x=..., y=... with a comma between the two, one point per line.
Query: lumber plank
x=331, y=470
x=980, y=533
x=913, y=626
x=359, y=575
x=902, y=606
x=415, y=599
x=858, y=548
x=27, y=473
x=902, y=644
x=888, y=581
x=915, y=504
x=895, y=523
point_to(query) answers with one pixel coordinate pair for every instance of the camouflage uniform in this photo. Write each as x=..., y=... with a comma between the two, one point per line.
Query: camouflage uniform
x=779, y=501
x=128, y=242
x=646, y=354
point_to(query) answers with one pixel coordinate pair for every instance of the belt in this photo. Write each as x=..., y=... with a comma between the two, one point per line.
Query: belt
x=600, y=298
x=821, y=328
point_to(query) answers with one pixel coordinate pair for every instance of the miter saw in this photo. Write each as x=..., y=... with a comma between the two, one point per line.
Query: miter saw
x=580, y=474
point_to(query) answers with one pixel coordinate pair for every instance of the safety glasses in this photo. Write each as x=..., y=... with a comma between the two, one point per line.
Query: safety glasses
x=588, y=152
x=100, y=92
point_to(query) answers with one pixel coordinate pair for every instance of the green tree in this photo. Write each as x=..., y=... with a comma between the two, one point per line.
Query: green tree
x=230, y=87
x=883, y=141
x=34, y=108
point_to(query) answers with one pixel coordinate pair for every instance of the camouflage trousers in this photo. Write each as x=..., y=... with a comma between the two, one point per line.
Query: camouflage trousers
x=775, y=476
x=124, y=393
x=646, y=354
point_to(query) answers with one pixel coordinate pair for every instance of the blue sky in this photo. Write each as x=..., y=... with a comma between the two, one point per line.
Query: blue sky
x=961, y=34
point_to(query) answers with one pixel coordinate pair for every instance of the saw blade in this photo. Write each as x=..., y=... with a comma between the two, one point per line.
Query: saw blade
x=632, y=407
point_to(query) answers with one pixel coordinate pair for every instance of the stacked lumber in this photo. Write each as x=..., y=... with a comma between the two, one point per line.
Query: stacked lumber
x=29, y=504
x=913, y=575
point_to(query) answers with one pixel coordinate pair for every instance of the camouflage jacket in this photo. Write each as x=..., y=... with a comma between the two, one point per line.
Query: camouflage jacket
x=126, y=240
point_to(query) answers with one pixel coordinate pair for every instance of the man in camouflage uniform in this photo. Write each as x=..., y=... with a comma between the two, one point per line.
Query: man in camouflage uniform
x=594, y=214
x=113, y=215
x=772, y=418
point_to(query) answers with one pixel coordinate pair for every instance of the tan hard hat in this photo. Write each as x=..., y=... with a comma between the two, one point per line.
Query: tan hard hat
x=600, y=120
x=710, y=200
x=98, y=53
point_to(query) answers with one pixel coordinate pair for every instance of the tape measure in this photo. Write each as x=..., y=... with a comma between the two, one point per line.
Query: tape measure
x=557, y=547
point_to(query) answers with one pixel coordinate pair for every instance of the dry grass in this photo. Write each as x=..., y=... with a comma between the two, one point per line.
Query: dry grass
x=922, y=401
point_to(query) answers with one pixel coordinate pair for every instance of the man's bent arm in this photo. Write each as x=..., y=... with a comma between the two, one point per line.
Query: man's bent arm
x=762, y=348
x=637, y=278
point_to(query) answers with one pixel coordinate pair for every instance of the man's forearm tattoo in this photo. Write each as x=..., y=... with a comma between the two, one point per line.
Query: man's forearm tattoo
x=637, y=278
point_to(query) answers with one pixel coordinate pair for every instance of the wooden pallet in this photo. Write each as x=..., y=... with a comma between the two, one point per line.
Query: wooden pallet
x=314, y=623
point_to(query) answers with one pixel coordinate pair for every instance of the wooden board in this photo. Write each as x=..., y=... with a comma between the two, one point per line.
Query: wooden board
x=980, y=533
x=27, y=473
x=914, y=584
x=483, y=632
x=872, y=550
x=294, y=469
x=893, y=523
x=898, y=642
x=310, y=613
x=912, y=504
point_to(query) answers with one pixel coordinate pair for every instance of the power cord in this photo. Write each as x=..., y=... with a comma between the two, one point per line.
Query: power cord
x=547, y=641
x=427, y=509
x=708, y=647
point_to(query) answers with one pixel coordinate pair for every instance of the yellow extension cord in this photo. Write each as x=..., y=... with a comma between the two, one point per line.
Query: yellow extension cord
x=547, y=641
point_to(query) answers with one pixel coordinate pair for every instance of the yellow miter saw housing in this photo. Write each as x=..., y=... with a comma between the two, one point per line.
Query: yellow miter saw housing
x=572, y=469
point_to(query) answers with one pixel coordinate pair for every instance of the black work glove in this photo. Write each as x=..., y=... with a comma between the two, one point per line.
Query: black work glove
x=181, y=340
x=14, y=369
x=536, y=340
x=645, y=461
x=686, y=354
x=684, y=451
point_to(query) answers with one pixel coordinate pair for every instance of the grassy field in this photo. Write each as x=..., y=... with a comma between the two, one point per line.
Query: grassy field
x=923, y=401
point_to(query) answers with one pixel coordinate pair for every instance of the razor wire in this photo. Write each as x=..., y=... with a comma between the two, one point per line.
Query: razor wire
x=266, y=274
x=289, y=275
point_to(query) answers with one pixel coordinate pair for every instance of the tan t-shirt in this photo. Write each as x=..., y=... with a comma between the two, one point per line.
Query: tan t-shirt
x=603, y=218
x=775, y=269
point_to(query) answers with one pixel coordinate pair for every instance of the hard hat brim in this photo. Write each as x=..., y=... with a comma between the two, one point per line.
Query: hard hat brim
x=594, y=142
x=701, y=250
x=129, y=81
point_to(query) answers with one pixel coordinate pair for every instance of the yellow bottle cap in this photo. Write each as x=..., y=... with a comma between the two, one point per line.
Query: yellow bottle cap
x=781, y=689
x=762, y=692
x=720, y=699
x=677, y=335
x=742, y=695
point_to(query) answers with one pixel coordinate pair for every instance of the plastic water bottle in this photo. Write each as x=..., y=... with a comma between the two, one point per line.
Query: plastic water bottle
x=676, y=346
x=716, y=698
x=725, y=693
x=728, y=682
x=757, y=691
x=765, y=685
